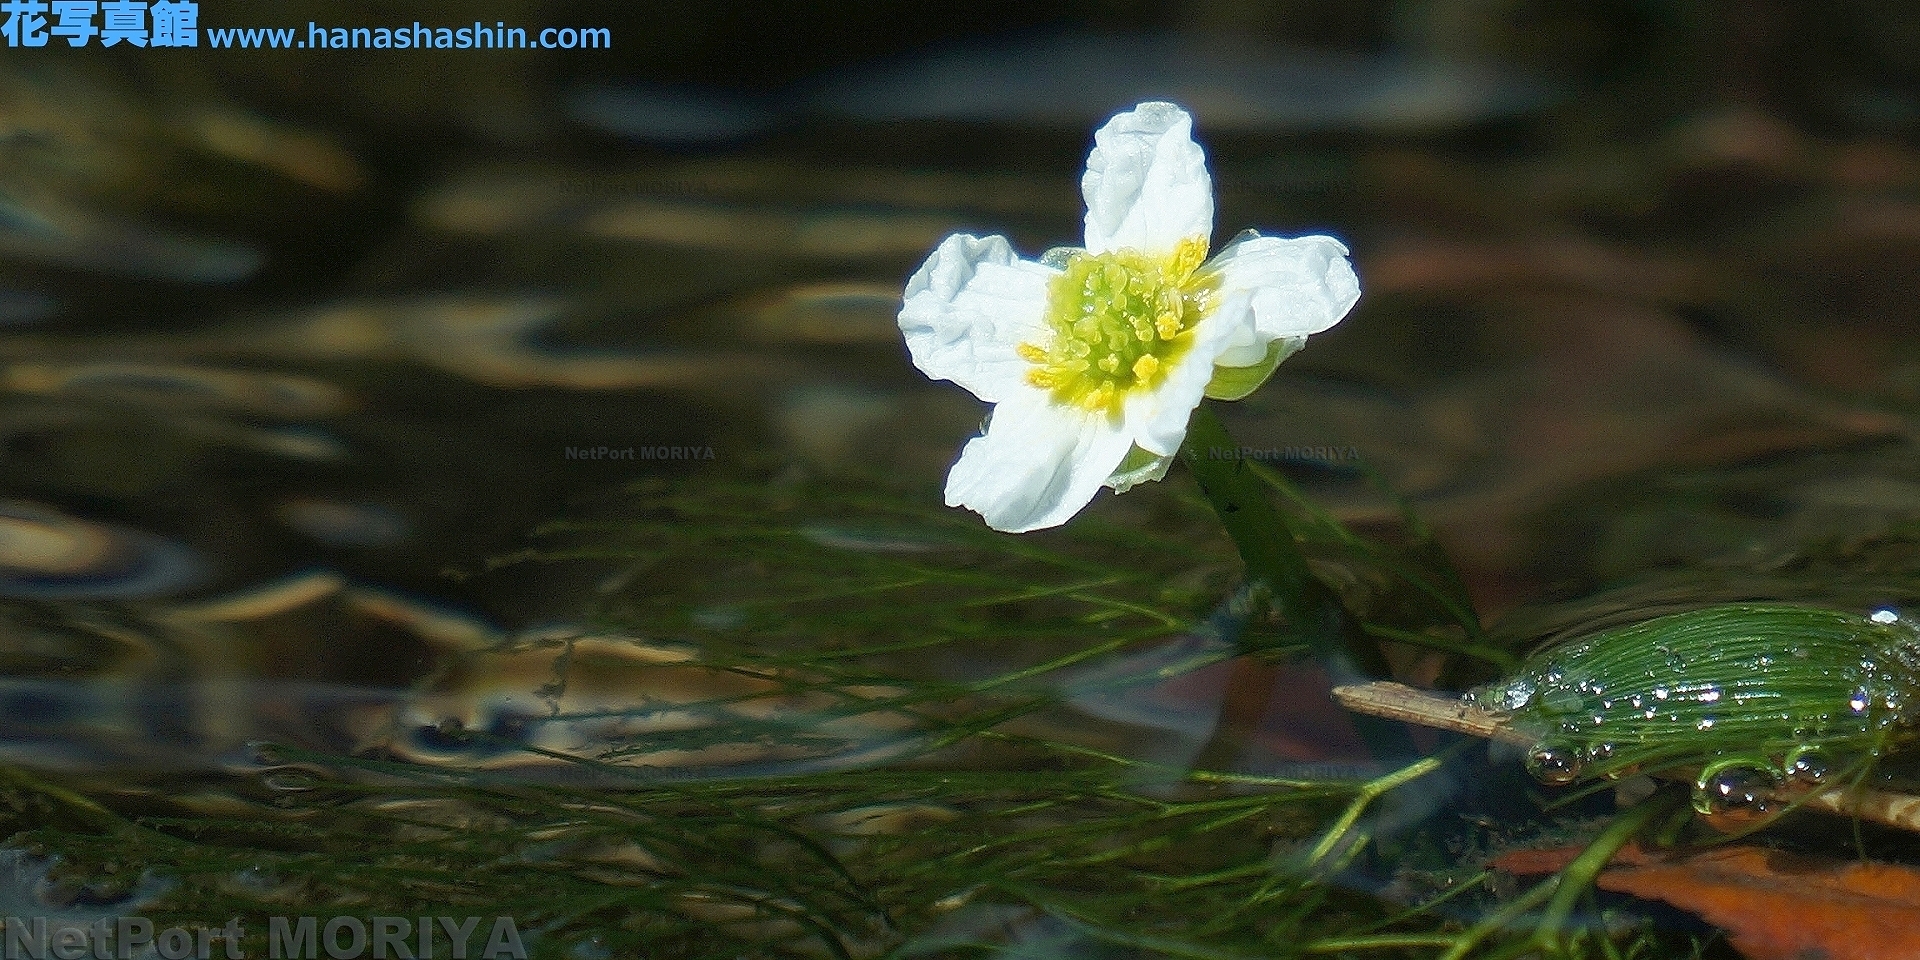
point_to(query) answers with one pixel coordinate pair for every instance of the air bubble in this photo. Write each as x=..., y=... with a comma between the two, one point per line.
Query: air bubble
x=1509, y=696
x=1806, y=764
x=1733, y=787
x=1554, y=763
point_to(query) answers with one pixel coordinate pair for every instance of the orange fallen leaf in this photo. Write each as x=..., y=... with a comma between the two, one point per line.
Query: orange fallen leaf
x=1774, y=906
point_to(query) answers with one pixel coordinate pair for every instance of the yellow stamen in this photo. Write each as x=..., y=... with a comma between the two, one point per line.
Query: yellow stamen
x=1188, y=254
x=1118, y=320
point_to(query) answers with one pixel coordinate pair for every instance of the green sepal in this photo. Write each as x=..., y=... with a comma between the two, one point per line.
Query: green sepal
x=1233, y=383
x=1139, y=466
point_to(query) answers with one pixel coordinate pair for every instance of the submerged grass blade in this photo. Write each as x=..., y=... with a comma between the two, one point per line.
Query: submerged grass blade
x=1000, y=821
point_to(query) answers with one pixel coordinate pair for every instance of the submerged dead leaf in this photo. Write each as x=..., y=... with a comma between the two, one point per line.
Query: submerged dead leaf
x=1774, y=906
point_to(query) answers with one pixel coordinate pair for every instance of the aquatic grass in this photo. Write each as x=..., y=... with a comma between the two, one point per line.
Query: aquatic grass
x=1412, y=582
x=997, y=825
x=779, y=593
x=756, y=865
x=1059, y=602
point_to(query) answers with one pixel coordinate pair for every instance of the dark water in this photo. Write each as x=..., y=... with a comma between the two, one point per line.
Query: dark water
x=292, y=344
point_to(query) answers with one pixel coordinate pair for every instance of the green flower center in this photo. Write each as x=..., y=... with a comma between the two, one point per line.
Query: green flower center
x=1120, y=320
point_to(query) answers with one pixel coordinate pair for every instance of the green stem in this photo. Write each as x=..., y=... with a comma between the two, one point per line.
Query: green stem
x=1561, y=891
x=1506, y=916
x=1268, y=546
x=1369, y=792
x=1272, y=555
x=1578, y=877
x=1265, y=541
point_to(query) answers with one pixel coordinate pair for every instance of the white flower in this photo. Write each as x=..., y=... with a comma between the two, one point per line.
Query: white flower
x=1094, y=359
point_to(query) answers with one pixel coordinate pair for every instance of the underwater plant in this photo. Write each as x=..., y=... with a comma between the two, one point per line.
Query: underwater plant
x=1753, y=696
x=1097, y=362
x=695, y=769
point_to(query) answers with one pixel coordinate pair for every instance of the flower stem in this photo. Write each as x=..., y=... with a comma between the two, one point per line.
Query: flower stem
x=1306, y=606
x=1268, y=547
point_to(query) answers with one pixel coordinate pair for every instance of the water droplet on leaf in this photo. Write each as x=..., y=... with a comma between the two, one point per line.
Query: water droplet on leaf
x=1554, y=763
x=1740, y=786
x=1807, y=765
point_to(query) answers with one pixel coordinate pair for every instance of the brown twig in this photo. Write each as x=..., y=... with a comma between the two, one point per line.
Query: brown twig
x=1397, y=701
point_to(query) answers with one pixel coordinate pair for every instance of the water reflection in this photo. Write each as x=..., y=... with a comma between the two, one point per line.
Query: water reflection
x=48, y=554
x=284, y=344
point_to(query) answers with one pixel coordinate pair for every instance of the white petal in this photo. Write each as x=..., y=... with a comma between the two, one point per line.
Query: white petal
x=1245, y=346
x=1157, y=420
x=1242, y=341
x=1146, y=184
x=1037, y=464
x=1294, y=287
x=967, y=309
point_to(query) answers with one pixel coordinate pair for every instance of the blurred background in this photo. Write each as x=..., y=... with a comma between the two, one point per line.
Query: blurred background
x=300, y=349
x=1639, y=276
